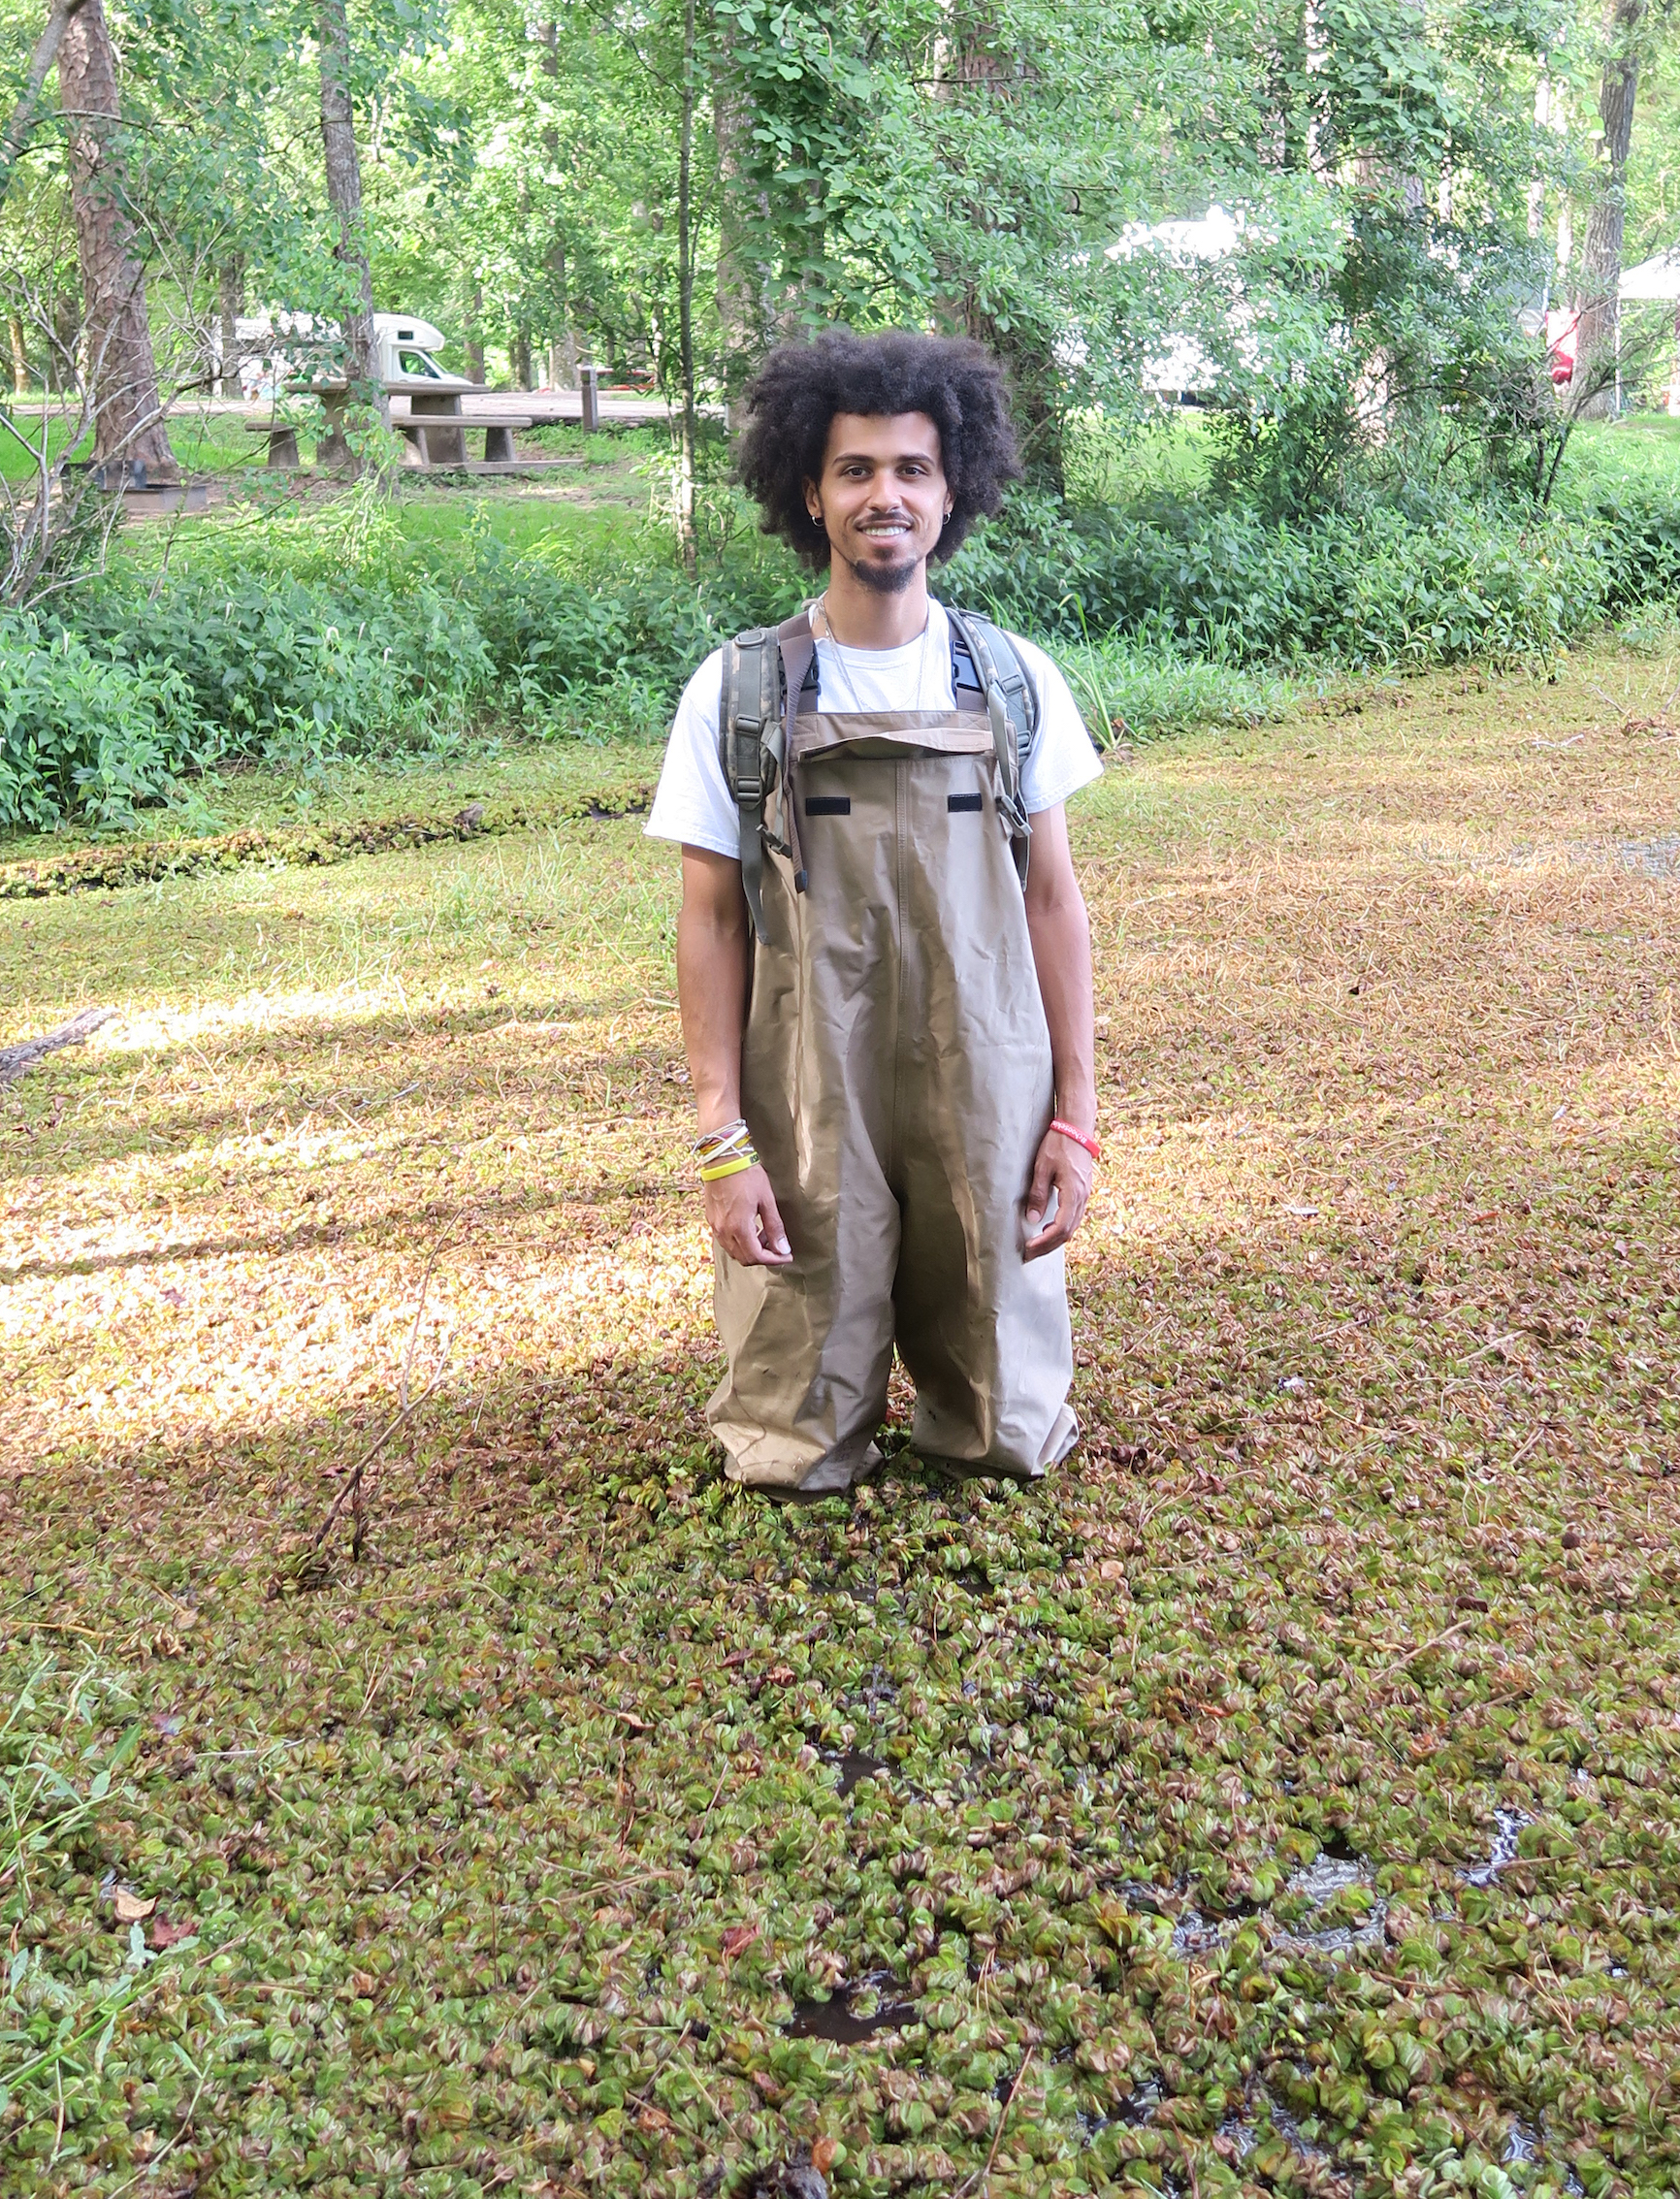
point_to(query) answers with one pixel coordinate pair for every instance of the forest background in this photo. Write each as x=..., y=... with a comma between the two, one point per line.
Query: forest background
x=1381, y=471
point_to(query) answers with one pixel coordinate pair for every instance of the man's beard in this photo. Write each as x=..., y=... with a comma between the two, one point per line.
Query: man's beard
x=884, y=579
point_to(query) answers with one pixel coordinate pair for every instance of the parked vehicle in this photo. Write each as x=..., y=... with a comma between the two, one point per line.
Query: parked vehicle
x=276, y=348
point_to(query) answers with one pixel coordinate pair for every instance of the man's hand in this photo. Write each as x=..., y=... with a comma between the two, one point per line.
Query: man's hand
x=1061, y=952
x=1065, y=1169
x=714, y=961
x=742, y=1212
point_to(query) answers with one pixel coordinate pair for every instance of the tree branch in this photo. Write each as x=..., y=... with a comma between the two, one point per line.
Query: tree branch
x=40, y=62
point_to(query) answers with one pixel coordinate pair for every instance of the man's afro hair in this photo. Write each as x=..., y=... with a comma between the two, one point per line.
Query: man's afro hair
x=795, y=394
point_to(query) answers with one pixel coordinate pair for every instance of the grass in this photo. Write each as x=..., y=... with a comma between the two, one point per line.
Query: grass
x=207, y=443
x=219, y=445
x=1282, y=1797
x=1634, y=453
x=1174, y=458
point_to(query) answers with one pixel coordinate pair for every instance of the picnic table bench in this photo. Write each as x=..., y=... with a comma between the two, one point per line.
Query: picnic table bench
x=434, y=426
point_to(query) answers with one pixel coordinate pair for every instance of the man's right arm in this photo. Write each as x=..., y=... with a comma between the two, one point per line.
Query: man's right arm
x=714, y=964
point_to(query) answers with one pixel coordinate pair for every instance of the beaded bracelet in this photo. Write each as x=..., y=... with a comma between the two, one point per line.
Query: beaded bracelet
x=714, y=1144
x=1079, y=1138
x=716, y=1172
x=724, y=1136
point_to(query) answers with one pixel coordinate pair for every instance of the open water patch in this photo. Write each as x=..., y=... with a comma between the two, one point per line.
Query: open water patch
x=1327, y=1880
x=1639, y=859
x=1285, y=2126
x=1522, y=2143
x=1139, y=2105
x=1658, y=857
x=1507, y=1833
x=1194, y=1934
x=856, y=1766
x=837, y=2020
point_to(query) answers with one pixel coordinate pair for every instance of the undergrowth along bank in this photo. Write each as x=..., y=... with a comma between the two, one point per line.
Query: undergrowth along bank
x=103, y=868
x=338, y=632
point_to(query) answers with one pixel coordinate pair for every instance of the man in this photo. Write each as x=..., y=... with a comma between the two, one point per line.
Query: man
x=889, y=1034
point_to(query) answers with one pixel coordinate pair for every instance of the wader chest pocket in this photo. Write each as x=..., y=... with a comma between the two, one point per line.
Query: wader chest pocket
x=964, y=802
x=828, y=805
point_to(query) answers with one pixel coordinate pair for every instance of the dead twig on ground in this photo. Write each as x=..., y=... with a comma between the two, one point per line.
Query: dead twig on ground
x=16, y=1059
x=351, y=1493
x=353, y=1483
x=1435, y=1641
x=980, y=2182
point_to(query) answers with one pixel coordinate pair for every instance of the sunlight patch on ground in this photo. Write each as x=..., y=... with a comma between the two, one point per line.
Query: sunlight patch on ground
x=1289, y=1776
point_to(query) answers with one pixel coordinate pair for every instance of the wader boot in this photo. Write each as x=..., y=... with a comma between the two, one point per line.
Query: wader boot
x=896, y=1075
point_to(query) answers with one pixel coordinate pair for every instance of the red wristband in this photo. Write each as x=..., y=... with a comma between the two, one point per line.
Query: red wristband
x=1079, y=1138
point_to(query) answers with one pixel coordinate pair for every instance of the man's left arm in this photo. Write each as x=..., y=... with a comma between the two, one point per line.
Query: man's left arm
x=1061, y=952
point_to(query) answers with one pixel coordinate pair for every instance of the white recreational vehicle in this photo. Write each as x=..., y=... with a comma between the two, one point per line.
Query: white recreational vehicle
x=271, y=347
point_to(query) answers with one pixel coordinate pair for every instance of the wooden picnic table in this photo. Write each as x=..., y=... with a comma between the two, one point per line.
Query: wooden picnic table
x=434, y=426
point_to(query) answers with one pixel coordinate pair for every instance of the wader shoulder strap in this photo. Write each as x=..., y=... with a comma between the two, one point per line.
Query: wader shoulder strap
x=1011, y=704
x=753, y=737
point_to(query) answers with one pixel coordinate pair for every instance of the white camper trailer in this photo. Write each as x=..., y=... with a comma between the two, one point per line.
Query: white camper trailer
x=272, y=346
x=408, y=350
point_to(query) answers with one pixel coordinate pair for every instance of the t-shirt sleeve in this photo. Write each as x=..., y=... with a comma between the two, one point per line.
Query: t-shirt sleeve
x=1063, y=758
x=692, y=802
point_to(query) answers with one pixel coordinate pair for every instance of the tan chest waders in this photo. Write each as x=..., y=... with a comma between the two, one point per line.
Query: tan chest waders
x=896, y=1075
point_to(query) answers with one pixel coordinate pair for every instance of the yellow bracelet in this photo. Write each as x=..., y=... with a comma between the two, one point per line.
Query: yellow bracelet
x=728, y=1168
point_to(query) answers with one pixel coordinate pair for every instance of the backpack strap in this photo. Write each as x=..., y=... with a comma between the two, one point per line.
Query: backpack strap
x=1013, y=706
x=762, y=673
x=797, y=646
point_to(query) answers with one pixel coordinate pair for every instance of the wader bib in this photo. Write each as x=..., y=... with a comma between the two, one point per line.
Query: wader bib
x=895, y=1076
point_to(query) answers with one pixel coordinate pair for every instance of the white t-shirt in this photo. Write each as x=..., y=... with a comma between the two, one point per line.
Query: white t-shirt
x=692, y=803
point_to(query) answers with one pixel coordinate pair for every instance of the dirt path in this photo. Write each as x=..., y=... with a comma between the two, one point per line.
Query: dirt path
x=1282, y=1797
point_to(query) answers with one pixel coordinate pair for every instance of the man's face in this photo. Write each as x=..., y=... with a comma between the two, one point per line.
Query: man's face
x=883, y=498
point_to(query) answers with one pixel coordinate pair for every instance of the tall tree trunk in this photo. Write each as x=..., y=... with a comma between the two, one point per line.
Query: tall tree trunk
x=522, y=324
x=230, y=298
x=20, y=358
x=345, y=194
x=1602, y=256
x=475, y=331
x=562, y=343
x=1542, y=121
x=1317, y=50
x=740, y=311
x=686, y=546
x=122, y=370
x=976, y=68
x=561, y=348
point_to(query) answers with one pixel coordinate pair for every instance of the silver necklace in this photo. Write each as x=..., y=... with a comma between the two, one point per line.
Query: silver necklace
x=822, y=605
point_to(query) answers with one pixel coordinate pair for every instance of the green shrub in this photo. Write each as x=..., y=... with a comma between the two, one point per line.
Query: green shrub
x=277, y=663
x=372, y=643
x=1360, y=588
x=1144, y=689
x=335, y=632
x=80, y=732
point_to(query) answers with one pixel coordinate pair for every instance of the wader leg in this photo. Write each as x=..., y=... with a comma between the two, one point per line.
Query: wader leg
x=985, y=1334
x=810, y=1345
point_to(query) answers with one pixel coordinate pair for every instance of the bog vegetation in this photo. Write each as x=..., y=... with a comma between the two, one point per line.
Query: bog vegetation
x=420, y=1774
x=1281, y=1804
x=1340, y=230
